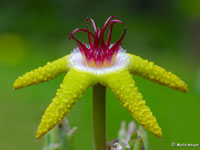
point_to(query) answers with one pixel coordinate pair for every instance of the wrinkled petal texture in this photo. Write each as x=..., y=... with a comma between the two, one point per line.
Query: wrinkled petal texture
x=74, y=85
x=123, y=86
x=120, y=82
x=42, y=74
x=155, y=73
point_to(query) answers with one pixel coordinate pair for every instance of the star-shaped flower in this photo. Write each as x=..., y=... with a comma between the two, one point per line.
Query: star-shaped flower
x=101, y=63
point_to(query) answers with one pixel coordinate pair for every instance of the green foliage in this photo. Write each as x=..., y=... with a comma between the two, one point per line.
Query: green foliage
x=60, y=137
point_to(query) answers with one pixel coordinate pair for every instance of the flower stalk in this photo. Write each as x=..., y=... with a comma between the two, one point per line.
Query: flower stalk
x=99, y=117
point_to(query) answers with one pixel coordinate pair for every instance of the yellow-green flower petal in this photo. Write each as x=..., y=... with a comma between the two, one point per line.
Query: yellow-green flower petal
x=155, y=73
x=123, y=86
x=74, y=85
x=42, y=74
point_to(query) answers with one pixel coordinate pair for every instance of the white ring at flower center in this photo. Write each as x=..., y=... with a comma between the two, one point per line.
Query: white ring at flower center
x=77, y=62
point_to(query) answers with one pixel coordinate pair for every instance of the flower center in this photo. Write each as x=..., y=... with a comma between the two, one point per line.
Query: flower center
x=99, y=53
x=76, y=61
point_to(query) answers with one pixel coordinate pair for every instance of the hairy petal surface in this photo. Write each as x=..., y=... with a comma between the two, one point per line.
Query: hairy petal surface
x=123, y=86
x=74, y=85
x=155, y=73
x=42, y=74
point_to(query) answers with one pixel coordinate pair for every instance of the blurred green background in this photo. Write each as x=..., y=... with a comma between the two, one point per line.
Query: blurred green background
x=33, y=32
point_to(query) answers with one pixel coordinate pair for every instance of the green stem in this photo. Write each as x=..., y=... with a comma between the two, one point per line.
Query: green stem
x=99, y=117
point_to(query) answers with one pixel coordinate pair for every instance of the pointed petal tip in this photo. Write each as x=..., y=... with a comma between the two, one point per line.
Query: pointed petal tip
x=185, y=88
x=159, y=135
x=16, y=86
x=41, y=131
x=156, y=130
x=38, y=135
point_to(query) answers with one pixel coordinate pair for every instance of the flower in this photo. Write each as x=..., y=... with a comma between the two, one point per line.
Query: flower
x=101, y=63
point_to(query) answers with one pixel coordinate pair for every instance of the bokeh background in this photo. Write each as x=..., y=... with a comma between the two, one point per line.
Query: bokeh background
x=33, y=32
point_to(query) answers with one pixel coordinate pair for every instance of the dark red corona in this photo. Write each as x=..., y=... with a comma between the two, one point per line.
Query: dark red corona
x=99, y=53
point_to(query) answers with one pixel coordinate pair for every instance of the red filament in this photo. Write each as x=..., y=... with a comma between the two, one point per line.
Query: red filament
x=99, y=53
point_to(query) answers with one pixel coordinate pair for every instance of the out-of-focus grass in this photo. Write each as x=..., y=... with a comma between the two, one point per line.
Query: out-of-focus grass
x=21, y=111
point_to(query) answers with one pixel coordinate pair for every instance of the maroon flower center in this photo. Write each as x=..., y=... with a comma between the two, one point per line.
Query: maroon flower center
x=99, y=53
